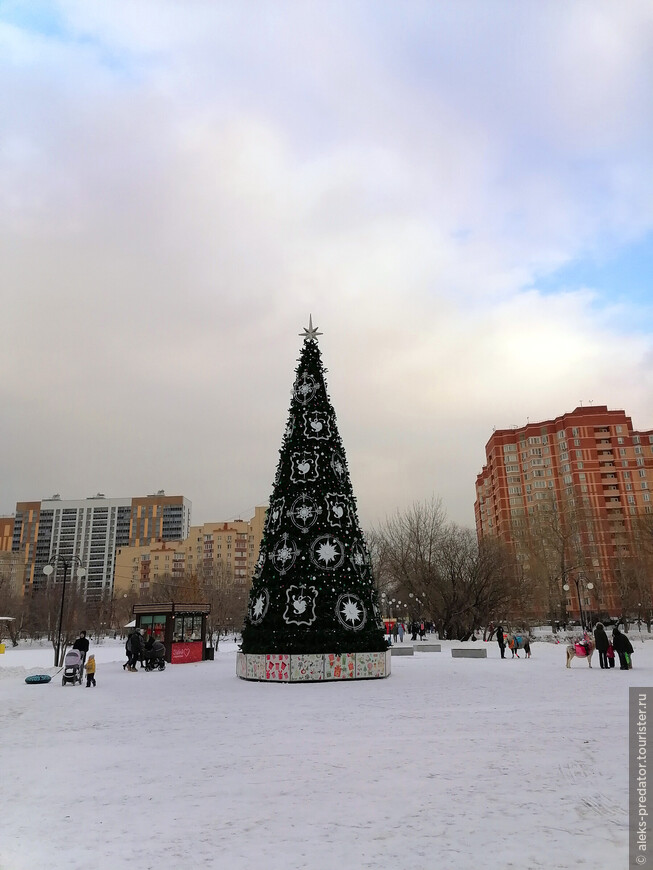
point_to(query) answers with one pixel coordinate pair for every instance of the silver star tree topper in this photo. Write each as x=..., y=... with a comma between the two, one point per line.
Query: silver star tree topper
x=310, y=333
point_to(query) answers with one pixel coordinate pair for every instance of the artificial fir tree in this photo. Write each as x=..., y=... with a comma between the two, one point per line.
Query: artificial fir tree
x=312, y=589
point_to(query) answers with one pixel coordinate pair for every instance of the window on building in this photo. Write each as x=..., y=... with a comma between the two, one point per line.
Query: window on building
x=620, y=440
x=638, y=449
x=618, y=428
x=635, y=439
x=640, y=460
x=622, y=451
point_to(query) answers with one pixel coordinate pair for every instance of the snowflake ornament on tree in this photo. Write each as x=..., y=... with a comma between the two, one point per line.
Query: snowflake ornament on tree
x=312, y=590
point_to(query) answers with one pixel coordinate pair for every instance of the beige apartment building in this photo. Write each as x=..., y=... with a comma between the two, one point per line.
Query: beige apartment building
x=6, y=534
x=11, y=573
x=225, y=552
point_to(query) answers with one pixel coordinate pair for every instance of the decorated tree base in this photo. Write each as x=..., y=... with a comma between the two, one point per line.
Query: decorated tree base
x=312, y=667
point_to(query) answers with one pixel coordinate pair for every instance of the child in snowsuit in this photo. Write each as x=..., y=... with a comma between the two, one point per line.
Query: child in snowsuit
x=90, y=672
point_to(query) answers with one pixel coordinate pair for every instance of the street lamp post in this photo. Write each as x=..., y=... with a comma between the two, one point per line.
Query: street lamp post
x=589, y=587
x=67, y=565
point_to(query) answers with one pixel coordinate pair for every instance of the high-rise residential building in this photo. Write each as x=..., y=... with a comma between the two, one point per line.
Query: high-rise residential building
x=11, y=574
x=90, y=530
x=224, y=552
x=6, y=534
x=565, y=495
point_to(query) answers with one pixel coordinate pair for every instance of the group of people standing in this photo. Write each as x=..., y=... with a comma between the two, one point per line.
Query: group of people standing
x=606, y=648
x=140, y=649
x=398, y=630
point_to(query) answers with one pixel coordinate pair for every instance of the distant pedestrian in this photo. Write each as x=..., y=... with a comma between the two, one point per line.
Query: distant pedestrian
x=501, y=641
x=623, y=647
x=134, y=646
x=602, y=644
x=128, y=652
x=395, y=631
x=90, y=672
x=402, y=631
x=422, y=631
x=610, y=655
x=81, y=644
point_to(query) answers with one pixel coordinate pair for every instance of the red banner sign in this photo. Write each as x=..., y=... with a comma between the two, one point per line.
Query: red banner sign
x=186, y=652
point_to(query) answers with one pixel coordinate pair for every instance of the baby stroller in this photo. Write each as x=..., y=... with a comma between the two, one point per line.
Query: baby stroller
x=73, y=671
x=155, y=658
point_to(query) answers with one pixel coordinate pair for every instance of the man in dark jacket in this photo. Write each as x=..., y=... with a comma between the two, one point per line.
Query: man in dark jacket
x=81, y=644
x=136, y=650
x=602, y=644
x=501, y=641
x=623, y=647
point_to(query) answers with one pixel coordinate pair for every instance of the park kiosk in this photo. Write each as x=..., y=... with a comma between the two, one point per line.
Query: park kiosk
x=181, y=627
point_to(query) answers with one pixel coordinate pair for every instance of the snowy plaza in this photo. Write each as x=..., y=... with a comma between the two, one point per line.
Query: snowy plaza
x=453, y=764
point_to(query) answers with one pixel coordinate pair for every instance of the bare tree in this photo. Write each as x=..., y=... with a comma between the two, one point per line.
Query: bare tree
x=461, y=585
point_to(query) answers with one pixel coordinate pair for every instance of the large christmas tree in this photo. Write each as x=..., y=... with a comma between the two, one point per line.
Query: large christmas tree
x=312, y=589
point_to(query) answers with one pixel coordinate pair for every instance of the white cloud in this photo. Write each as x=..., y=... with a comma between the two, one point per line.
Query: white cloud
x=182, y=186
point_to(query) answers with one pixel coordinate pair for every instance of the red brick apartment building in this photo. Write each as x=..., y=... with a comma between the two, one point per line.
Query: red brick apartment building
x=593, y=474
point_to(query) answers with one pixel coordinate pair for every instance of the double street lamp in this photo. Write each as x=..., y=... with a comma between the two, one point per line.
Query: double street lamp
x=68, y=565
x=588, y=586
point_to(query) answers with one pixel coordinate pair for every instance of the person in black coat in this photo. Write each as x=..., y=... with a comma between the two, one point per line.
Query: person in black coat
x=501, y=641
x=82, y=645
x=136, y=649
x=602, y=644
x=623, y=647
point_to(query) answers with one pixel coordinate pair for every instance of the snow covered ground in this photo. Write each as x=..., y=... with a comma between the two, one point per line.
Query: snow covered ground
x=455, y=764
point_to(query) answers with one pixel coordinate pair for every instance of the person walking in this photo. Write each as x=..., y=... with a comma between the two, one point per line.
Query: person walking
x=81, y=644
x=395, y=631
x=402, y=631
x=610, y=655
x=623, y=647
x=135, y=649
x=501, y=641
x=90, y=672
x=602, y=643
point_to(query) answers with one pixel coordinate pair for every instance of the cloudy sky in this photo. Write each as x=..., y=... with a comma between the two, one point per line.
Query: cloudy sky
x=460, y=193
